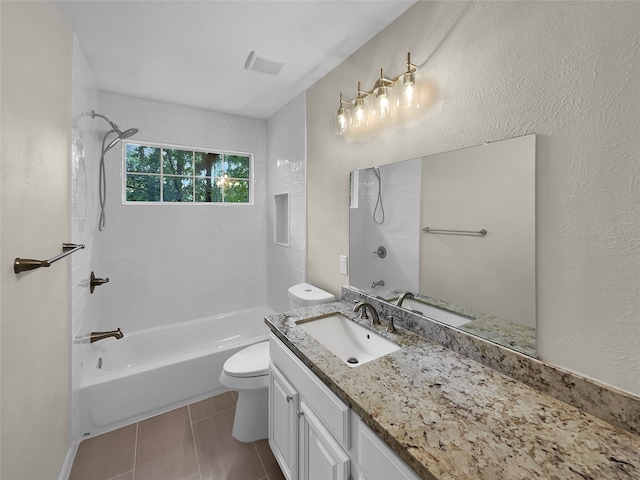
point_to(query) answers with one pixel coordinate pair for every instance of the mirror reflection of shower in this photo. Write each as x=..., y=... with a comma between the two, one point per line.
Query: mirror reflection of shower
x=102, y=181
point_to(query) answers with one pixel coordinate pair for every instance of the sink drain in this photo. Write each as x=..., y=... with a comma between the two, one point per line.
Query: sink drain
x=352, y=360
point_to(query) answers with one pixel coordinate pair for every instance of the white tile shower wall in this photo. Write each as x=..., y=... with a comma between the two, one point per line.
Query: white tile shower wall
x=286, y=154
x=85, y=146
x=400, y=200
x=176, y=262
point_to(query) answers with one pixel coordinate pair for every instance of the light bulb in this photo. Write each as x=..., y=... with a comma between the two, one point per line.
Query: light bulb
x=359, y=114
x=409, y=96
x=343, y=120
x=342, y=123
x=381, y=104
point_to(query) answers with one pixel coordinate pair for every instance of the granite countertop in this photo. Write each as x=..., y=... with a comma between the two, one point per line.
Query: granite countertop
x=449, y=417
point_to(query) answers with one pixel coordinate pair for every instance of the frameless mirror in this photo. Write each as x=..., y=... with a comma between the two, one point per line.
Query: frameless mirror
x=457, y=231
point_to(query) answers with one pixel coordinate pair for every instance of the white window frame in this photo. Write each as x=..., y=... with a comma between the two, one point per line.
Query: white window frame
x=123, y=172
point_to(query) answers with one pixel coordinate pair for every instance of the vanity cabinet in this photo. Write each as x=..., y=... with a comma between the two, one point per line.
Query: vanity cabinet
x=283, y=422
x=308, y=425
x=314, y=435
x=321, y=458
x=373, y=459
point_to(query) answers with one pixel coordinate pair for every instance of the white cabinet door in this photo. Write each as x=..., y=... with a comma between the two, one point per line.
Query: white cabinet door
x=376, y=461
x=321, y=457
x=283, y=423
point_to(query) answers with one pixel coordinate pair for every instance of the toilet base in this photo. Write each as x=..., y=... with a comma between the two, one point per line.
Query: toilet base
x=251, y=421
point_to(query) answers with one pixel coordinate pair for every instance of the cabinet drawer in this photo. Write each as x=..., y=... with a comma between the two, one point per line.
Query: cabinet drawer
x=330, y=410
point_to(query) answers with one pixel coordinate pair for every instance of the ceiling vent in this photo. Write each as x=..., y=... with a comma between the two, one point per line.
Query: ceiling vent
x=259, y=63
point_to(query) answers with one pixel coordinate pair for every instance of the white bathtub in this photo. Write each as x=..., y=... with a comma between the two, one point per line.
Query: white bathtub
x=156, y=370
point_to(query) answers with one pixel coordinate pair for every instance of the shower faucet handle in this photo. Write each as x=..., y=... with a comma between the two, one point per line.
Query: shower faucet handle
x=381, y=252
x=96, y=282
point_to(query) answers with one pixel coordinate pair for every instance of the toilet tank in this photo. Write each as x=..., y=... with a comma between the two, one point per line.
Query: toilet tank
x=305, y=295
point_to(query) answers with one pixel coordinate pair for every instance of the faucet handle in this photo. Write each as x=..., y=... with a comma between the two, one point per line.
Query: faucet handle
x=96, y=282
x=390, y=326
x=361, y=307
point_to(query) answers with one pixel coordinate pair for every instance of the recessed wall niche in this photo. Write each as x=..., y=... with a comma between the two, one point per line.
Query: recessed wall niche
x=281, y=227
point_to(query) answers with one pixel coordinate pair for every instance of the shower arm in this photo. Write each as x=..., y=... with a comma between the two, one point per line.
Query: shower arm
x=105, y=118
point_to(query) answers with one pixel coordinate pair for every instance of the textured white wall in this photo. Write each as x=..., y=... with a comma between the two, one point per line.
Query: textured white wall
x=35, y=310
x=566, y=71
x=286, y=156
x=177, y=262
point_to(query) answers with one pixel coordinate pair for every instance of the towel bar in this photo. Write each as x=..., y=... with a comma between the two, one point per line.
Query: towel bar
x=482, y=232
x=25, y=264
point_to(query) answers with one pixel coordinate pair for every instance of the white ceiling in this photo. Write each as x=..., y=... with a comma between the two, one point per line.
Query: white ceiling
x=193, y=52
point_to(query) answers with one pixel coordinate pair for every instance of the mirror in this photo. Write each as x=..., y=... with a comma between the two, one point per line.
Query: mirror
x=457, y=231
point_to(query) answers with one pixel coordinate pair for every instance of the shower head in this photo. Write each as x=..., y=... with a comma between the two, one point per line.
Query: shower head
x=128, y=133
x=114, y=129
x=102, y=182
x=121, y=136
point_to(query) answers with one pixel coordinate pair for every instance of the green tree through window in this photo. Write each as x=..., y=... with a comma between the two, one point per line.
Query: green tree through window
x=156, y=173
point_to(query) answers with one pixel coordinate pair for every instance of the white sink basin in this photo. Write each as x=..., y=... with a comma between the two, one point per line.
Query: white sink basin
x=350, y=342
x=439, y=314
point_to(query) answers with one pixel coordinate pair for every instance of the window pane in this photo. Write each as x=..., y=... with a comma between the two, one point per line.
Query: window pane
x=208, y=164
x=142, y=159
x=177, y=162
x=236, y=191
x=237, y=166
x=177, y=189
x=206, y=191
x=165, y=174
x=143, y=188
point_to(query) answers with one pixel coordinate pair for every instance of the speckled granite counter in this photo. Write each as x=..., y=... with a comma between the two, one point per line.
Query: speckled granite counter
x=449, y=417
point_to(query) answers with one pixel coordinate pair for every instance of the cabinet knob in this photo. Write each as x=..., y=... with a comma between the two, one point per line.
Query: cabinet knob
x=289, y=398
x=300, y=413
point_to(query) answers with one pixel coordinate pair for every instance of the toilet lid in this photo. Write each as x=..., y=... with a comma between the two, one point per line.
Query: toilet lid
x=252, y=361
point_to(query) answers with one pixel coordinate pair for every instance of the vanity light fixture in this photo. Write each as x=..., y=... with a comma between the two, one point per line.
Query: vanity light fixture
x=388, y=96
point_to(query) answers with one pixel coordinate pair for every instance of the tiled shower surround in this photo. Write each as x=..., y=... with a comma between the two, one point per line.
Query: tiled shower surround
x=175, y=262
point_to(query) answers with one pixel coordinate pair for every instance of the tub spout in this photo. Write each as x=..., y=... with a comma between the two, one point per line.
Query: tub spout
x=95, y=336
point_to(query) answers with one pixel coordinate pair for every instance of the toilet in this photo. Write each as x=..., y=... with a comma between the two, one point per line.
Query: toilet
x=248, y=372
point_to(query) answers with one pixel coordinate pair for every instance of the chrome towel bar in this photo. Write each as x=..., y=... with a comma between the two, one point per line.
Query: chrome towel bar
x=24, y=264
x=482, y=232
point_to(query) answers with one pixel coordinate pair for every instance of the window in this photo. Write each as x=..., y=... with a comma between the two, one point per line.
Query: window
x=161, y=173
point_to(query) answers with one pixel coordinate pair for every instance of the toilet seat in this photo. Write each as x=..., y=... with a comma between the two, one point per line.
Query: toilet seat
x=249, y=362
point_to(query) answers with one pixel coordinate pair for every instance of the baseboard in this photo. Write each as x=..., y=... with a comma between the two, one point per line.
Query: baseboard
x=68, y=461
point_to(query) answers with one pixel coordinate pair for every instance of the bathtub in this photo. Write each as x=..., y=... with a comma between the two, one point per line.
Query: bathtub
x=156, y=370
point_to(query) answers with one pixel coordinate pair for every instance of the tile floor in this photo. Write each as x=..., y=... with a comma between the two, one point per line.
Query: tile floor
x=189, y=443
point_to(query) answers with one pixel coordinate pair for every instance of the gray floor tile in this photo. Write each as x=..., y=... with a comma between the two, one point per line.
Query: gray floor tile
x=105, y=456
x=125, y=476
x=268, y=460
x=220, y=455
x=211, y=406
x=165, y=449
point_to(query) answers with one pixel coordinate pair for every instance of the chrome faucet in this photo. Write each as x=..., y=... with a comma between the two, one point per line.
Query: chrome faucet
x=379, y=283
x=362, y=308
x=402, y=297
x=95, y=336
x=390, y=326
